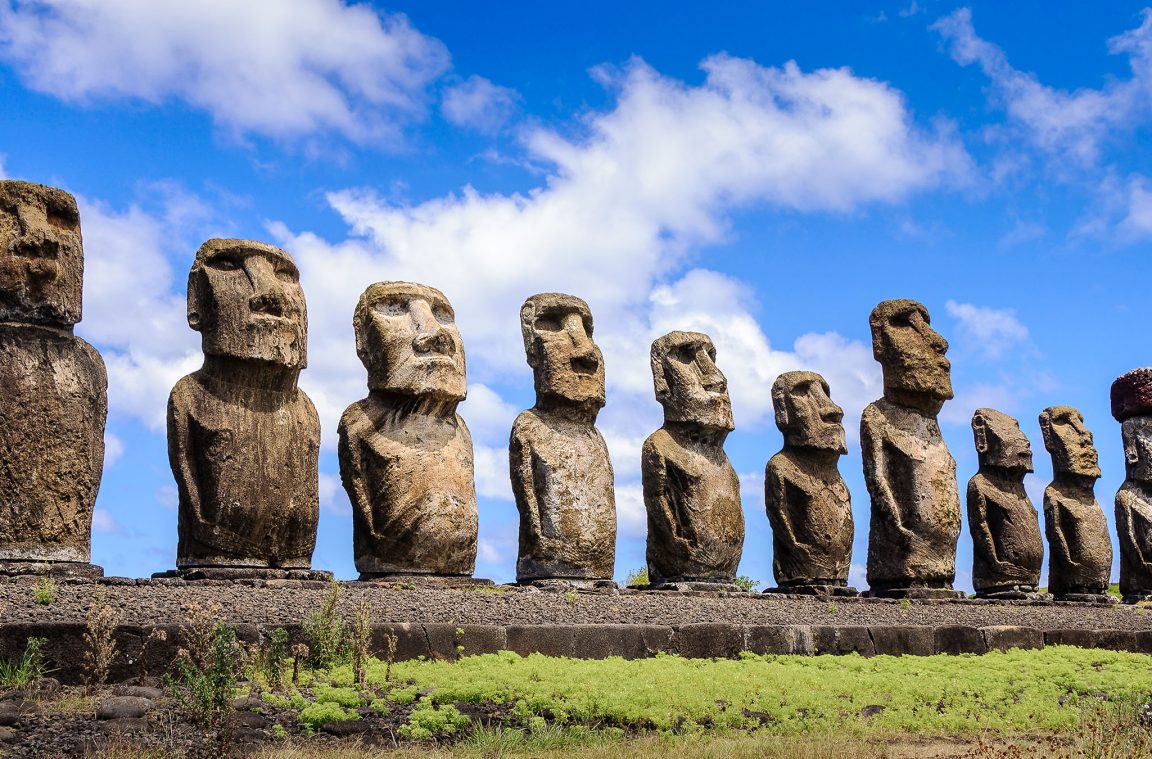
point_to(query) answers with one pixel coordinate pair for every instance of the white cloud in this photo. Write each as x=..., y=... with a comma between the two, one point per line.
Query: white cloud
x=631, y=514
x=1137, y=221
x=168, y=497
x=959, y=410
x=1066, y=124
x=988, y=332
x=103, y=522
x=332, y=498
x=478, y=104
x=113, y=449
x=284, y=70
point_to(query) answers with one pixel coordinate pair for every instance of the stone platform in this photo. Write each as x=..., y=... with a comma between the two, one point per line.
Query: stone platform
x=433, y=622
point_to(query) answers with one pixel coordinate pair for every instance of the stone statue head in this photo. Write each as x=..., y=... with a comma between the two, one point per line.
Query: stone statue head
x=1000, y=443
x=806, y=414
x=1069, y=442
x=41, y=255
x=245, y=300
x=566, y=364
x=688, y=384
x=406, y=336
x=1136, y=432
x=911, y=355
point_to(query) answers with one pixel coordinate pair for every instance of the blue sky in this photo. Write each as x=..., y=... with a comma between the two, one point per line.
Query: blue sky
x=765, y=173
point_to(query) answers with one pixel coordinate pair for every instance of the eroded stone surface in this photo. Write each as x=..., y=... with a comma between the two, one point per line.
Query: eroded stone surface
x=1132, y=407
x=808, y=503
x=1080, y=550
x=691, y=491
x=561, y=473
x=53, y=387
x=243, y=439
x=405, y=454
x=910, y=474
x=1008, y=549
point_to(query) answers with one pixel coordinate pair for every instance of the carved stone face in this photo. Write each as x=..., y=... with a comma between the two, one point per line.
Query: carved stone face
x=41, y=255
x=1136, y=432
x=558, y=341
x=806, y=414
x=910, y=352
x=1000, y=442
x=406, y=336
x=244, y=298
x=1069, y=442
x=688, y=384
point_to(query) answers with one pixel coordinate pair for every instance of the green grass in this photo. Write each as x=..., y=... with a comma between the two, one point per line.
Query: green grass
x=1045, y=690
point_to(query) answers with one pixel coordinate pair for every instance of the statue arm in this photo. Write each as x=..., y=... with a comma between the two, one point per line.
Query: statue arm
x=978, y=523
x=1058, y=544
x=181, y=454
x=776, y=504
x=352, y=472
x=875, y=467
x=523, y=478
x=1125, y=530
x=654, y=476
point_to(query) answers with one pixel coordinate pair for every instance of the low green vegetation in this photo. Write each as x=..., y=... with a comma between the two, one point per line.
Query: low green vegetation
x=44, y=591
x=27, y=669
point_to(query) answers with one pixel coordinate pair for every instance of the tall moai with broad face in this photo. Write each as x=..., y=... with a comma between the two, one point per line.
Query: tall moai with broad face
x=53, y=388
x=561, y=473
x=808, y=503
x=243, y=439
x=691, y=491
x=1132, y=407
x=911, y=475
x=1079, y=547
x=405, y=454
x=1007, y=548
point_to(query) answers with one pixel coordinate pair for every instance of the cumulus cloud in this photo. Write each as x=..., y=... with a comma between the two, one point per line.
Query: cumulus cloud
x=113, y=449
x=477, y=103
x=1066, y=123
x=283, y=70
x=988, y=332
x=103, y=522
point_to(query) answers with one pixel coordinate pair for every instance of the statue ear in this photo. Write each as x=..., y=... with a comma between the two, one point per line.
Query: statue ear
x=1046, y=430
x=531, y=348
x=1131, y=451
x=980, y=433
x=780, y=406
x=197, y=319
x=660, y=379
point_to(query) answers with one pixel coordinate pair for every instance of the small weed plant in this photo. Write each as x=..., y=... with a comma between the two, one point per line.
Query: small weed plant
x=203, y=688
x=326, y=632
x=44, y=591
x=100, y=640
x=428, y=721
x=28, y=669
x=638, y=578
x=744, y=582
x=316, y=714
x=269, y=660
x=359, y=641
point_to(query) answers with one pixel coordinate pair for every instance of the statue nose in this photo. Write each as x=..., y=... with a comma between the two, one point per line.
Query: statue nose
x=267, y=302
x=437, y=341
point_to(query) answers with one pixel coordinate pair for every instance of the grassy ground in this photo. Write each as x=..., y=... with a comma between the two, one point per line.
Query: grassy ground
x=1058, y=701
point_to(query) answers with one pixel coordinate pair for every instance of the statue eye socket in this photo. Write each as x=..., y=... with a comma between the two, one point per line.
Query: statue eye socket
x=287, y=274
x=686, y=354
x=392, y=306
x=224, y=263
x=443, y=314
x=547, y=324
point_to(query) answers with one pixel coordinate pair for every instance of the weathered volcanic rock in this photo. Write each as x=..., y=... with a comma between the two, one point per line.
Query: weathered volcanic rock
x=691, y=491
x=1132, y=407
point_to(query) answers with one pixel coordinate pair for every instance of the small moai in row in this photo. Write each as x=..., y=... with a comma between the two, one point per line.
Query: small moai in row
x=561, y=475
x=1007, y=546
x=1079, y=547
x=243, y=438
x=910, y=474
x=808, y=503
x=406, y=457
x=691, y=491
x=1132, y=407
x=53, y=388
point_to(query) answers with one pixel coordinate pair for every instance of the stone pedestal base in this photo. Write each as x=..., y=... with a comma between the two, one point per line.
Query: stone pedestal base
x=929, y=594
x=1135, y=598
x=568, y=583
x=425, y=581
x=51, y=569
x=243, y=573
x=1013, y=593
x=687, y=585
x=843, y=591
x=1086, y=598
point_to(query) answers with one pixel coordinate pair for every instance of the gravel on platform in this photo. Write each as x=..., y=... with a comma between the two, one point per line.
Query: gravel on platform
x=293, y=601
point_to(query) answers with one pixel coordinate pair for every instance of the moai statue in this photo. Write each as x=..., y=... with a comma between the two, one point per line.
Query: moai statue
x=691, y=492
x=1079, y=547
x=405, y=455
x=1132, y=407
x=910, y=474
x=561, y=474
x=53, y=388
x=243, y=439
x=808, y=504
x=1007, y=548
